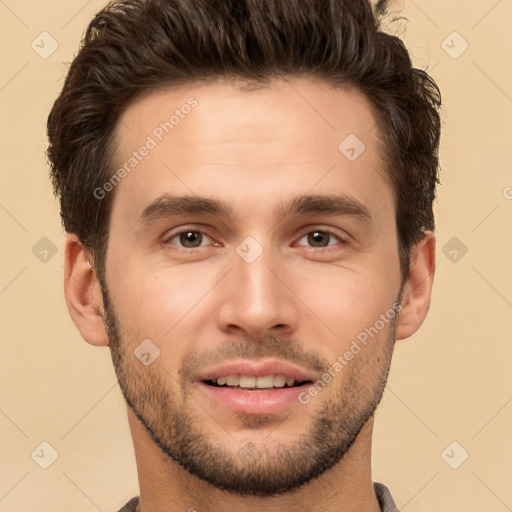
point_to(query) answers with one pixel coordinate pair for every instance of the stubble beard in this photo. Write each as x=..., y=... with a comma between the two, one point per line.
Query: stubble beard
x=256, y=469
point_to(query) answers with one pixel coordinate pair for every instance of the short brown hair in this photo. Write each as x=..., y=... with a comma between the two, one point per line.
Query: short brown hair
x=133, y=46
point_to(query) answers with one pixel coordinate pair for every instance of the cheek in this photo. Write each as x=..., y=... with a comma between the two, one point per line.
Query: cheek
x=159, y=303
x=347, y=300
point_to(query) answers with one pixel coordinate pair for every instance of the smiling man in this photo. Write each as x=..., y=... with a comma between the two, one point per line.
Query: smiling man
x=247, y=189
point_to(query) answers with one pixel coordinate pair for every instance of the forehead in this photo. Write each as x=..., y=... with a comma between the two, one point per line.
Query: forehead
x=301, y=107
x=225, y=137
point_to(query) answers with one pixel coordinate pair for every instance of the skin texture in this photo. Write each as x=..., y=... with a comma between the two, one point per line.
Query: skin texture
x=304, y=300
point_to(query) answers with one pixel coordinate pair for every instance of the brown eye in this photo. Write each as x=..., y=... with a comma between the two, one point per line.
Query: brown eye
x=189, y=239
x=319, y=238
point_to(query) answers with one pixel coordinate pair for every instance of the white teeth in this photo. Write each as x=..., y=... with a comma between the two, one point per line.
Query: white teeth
x=265, y=382
x=231, y=380
x=247, y=382
x=279, y=381
x=250, y=382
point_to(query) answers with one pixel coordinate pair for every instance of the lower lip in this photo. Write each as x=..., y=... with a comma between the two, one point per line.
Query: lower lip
x=254, y=401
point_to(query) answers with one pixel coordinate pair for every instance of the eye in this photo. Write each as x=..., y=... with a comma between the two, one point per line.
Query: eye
x=320, y=238
x=189, y=239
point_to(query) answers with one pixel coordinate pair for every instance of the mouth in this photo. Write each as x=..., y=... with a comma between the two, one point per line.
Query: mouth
x=253, y=383
x=254, y=387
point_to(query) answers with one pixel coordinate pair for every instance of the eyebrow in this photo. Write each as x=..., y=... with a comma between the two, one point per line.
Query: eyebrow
x=337, y=204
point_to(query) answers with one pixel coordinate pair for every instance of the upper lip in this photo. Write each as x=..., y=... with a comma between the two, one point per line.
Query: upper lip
x=255, y=369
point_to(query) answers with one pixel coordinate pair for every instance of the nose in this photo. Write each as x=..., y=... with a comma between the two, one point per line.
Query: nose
x=257, y=298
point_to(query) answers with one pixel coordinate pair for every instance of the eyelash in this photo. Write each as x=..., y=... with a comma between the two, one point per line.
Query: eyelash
x=341, y=240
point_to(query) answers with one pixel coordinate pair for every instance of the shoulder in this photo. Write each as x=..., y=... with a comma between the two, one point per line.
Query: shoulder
x=131, y=506
x=386, y=501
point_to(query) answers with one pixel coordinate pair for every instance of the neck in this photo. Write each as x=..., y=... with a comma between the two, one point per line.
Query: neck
x=166, y=487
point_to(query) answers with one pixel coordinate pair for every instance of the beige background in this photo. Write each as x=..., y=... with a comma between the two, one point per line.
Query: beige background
x=450, y=382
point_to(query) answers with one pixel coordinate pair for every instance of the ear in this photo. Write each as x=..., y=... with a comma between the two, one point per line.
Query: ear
x=418, y=287
x=83, y=293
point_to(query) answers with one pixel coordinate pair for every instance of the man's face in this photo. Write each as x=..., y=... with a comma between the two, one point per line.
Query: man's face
x=273, y=286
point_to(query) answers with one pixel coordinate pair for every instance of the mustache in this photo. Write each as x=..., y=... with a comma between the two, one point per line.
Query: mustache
x=253, y=349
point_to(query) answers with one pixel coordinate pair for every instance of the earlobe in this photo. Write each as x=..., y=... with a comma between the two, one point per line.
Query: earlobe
x=83, y=293
x=418, y=288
